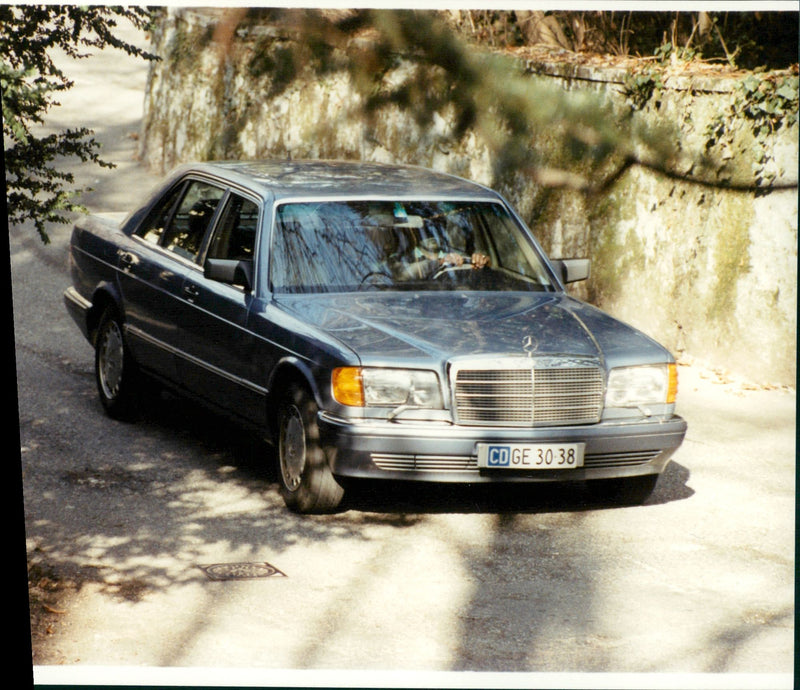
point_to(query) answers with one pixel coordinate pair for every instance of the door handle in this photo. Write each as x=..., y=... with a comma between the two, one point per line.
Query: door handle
x=191, y=291
x=126, y=260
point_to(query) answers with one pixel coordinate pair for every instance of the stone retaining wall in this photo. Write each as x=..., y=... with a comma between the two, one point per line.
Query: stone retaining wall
x=712, y=274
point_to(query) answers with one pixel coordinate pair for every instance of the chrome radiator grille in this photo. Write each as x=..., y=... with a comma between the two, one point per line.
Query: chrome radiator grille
x=527, y=392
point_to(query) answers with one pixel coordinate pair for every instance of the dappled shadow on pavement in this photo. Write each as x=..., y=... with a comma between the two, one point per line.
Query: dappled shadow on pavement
x=533, y=584
x=254, y=459
x=531, y=599
x=201, y=475
x=734, y=638
x=146, y=499
x=129, y=511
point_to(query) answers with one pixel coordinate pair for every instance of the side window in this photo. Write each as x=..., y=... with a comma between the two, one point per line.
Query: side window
x=190, y=222
x=235, y=237
x=152, y=228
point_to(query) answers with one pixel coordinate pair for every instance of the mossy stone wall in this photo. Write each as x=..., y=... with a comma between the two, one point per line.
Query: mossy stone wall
x=712, y=274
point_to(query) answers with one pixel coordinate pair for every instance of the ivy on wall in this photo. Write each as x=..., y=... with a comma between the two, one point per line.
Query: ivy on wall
x=763, y=105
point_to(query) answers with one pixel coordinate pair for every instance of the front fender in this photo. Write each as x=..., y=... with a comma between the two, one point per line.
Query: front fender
x=106, y=295
x=292, y=369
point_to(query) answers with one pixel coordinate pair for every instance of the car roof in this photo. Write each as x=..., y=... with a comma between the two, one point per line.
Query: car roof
x=345, y=179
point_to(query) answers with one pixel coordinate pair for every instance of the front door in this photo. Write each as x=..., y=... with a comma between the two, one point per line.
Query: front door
x=221, y=354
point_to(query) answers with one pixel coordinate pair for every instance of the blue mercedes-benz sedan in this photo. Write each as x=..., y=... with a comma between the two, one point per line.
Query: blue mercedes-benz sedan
x=373, y=321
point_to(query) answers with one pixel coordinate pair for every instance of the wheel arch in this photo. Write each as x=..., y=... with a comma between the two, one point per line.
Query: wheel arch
x=305, y=475
x=105, y=296
x=289, y=371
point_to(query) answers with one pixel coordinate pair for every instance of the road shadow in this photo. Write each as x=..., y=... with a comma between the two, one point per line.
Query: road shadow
x=255, y=458
x=223, y=440
x=181, y=478
x=567, y=496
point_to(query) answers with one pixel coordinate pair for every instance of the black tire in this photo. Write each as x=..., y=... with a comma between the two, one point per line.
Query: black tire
x=116, y=374
x=306, y=482
x=626, y=490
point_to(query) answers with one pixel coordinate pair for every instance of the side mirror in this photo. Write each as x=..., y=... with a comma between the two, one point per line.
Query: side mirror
x=231, y=271
x=572, y=270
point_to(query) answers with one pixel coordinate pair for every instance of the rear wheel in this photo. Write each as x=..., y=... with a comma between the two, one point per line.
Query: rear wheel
x=307, y=483
x=625, y=490
x=116, y=374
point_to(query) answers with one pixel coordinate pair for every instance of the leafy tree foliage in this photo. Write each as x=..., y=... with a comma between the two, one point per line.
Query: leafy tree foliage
x=415, y=61
x=36, y=190
x=420, y=62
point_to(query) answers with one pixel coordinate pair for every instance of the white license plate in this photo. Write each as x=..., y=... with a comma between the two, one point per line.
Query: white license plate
x=530, y=456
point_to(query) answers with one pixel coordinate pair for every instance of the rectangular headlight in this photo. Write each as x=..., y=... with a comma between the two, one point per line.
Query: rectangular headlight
x=642, y=385
x=376, y=387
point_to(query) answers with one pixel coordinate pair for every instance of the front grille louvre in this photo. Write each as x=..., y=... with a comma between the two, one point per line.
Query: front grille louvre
x=629, y=459
x=399, y=462
x=528, y=395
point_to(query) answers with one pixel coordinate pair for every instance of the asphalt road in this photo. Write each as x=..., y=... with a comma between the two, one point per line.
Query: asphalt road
x=121, y=520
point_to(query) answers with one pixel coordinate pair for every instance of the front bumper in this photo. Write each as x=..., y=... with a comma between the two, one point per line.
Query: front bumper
x=78, y=308
x=437, y=452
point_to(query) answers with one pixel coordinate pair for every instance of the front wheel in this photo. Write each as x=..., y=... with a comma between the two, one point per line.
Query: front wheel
x=116, y=374
x=307, y=483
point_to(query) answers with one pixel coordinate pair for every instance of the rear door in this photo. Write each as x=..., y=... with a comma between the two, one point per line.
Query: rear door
x=153, y=270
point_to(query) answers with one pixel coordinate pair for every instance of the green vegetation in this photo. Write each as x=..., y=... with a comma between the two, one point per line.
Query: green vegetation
x=614, y=255
x=30, y=81
x=456, y=65
x=763, y=104
x=732, y=259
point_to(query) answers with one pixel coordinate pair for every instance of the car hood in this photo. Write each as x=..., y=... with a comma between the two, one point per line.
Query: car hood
x=414, y=328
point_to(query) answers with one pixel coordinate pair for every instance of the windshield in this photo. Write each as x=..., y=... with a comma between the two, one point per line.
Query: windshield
x=410, y=245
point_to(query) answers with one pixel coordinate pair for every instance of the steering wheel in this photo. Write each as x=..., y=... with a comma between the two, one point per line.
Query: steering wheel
x=376, y=279
x=448, y=268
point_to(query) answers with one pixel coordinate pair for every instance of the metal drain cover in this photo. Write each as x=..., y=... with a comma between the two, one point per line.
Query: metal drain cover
x=240, y=571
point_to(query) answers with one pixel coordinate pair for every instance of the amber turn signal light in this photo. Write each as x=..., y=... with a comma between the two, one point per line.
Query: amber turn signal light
x=347, y=386
x=672, y=386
